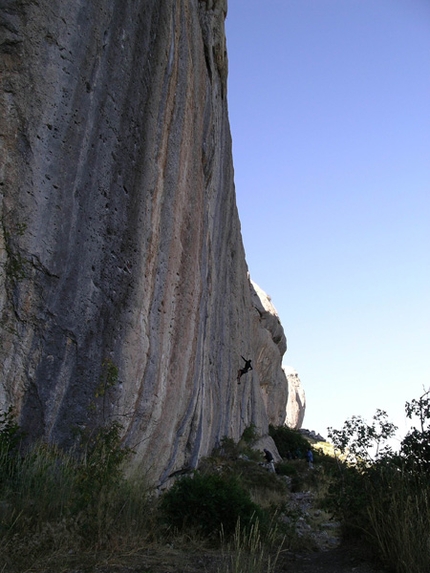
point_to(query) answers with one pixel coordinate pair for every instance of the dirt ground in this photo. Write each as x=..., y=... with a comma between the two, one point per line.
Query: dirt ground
x=326, y=553
x=342, y=559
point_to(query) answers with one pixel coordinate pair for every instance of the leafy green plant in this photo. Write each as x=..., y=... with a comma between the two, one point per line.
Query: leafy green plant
x=386, y=496
x=245, y=464
x=207, y=503
x=287, y=468
x=10, y=432
x=360, y=442
x=249, y=435
x=108, y=377
x=10, y=438
x=99, y=477
x=415, y=447
x=230, y=450
x=360, y=450
x=101, y=459
x=290, y=443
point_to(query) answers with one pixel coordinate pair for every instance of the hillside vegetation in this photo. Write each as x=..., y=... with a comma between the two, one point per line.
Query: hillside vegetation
x=71, y=511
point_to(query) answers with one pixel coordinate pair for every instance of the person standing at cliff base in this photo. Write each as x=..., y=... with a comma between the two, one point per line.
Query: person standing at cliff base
x=244, y=370
x=269, y=459
x=310, y=458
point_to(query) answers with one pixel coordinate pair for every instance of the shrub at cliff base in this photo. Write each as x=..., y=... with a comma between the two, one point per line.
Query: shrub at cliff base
x=290, y=443
x=209, y=504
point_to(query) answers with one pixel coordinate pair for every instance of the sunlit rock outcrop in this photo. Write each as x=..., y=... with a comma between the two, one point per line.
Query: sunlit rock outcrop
x=270, y=345
x=123, y=289
x=296, y=401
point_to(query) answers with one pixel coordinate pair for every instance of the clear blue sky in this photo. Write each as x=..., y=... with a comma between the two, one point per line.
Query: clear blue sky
x=329, y=104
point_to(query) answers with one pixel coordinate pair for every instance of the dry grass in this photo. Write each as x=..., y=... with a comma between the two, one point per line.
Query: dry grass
x=248, y=554
x=401, y=526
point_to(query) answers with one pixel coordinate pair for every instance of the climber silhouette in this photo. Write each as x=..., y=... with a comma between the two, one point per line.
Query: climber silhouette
x=244, y=370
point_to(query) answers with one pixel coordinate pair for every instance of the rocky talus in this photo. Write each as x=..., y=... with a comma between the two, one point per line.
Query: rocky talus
x=124, y=289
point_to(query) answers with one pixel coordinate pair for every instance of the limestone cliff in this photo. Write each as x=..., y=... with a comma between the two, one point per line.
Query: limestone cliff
x=296, y=401
x=270, y=344
x=123, y=290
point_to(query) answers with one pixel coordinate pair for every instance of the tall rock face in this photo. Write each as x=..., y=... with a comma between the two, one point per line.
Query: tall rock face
x=123, y=289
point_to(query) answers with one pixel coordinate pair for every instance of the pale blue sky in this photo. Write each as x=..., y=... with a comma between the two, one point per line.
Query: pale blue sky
x=329, y=104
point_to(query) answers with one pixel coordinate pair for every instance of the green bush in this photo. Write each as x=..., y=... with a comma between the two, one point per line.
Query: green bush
x=286, y=469
x=10, y=433
x=100, y=460
x=415, y=448
x=250, y=434
x=390, y=507
x=290, y=443
x=228, y=449
x=233, y=451
x=208, y=504
x=10, y=438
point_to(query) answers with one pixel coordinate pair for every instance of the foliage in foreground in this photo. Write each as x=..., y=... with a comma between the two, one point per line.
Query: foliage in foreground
x=246, y=552
x=383, y=495
x=81, y=502
x=72, y=501
x=56, y=505
x=209, y=503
